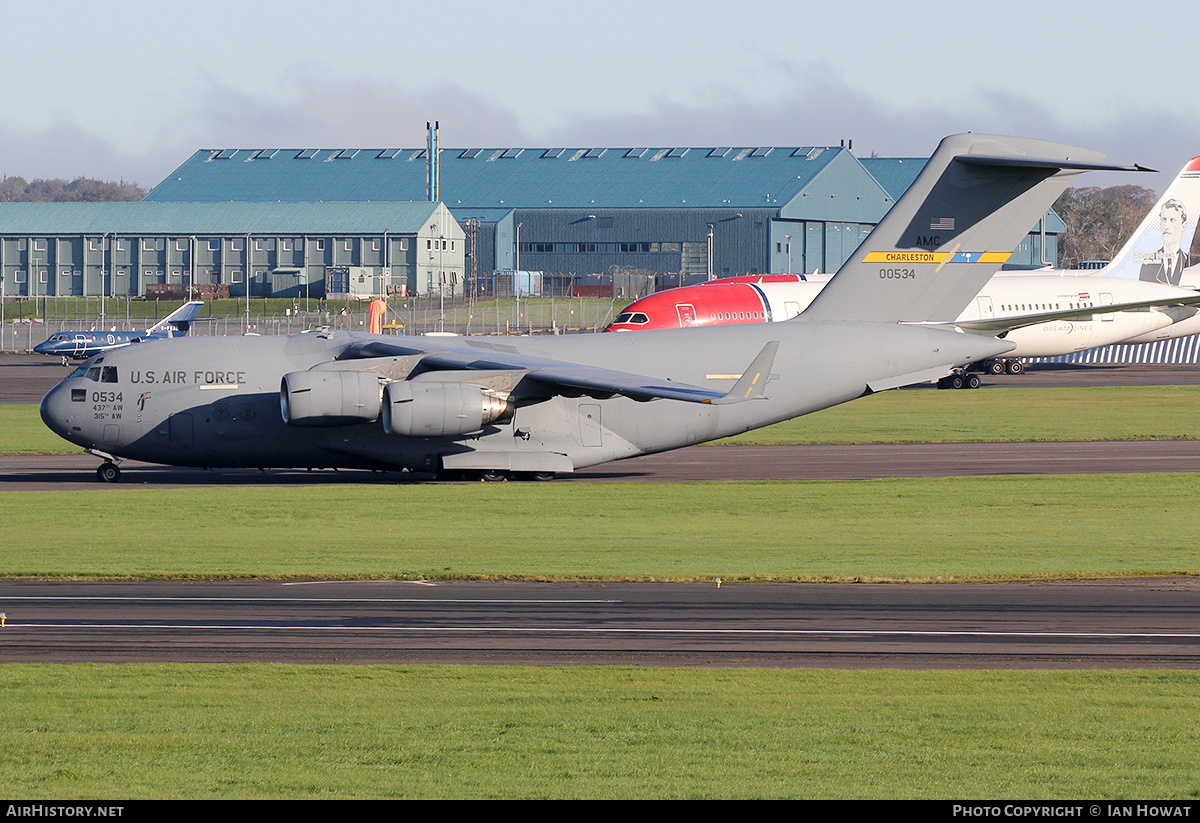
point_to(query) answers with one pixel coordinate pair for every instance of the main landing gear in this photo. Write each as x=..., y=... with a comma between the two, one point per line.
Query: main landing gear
x=492, y=476
x=967, y=379
x=960, y=381
x=1003, y=365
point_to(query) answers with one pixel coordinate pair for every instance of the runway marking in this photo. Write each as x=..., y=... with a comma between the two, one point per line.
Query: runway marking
x=521, y=630
x=128, y=599
x=433, y=583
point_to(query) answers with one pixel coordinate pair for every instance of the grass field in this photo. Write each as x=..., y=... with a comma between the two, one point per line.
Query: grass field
x=999, y=414
x=979, y=528
x=269, y=731
x=1003, y=414
x=23, y=432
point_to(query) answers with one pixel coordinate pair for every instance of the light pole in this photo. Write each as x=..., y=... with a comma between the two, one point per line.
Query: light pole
x=710, y=251
x=246, y=270
x=517, y=275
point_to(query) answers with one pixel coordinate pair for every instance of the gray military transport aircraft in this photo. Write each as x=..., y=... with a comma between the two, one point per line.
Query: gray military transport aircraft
x=494, y=407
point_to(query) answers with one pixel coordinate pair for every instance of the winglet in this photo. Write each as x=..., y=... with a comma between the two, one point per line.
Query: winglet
x=753, y=382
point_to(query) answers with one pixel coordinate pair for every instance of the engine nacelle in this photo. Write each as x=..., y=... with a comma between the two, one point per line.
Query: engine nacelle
x=329, y=398
x=416, y=408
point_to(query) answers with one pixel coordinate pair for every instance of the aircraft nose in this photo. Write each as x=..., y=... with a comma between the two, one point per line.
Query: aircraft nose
x=58, y=411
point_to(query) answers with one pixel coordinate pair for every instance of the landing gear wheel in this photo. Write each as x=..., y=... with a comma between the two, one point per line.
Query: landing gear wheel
x=957, y=381
x=493, y=476
x=108, y=473
x=973, y=381
x=996, y=367
x=536, y=476
x=1015, y=367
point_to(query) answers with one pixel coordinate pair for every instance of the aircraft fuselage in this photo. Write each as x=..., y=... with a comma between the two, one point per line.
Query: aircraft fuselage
x=215, y=401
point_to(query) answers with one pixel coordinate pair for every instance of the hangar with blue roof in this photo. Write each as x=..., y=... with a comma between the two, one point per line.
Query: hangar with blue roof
x=287, y=249
x=586, y=210
x=289, y=217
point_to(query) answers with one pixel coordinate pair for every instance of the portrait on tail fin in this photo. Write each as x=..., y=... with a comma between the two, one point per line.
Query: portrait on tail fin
x=1167, y=264
x=1161, y=249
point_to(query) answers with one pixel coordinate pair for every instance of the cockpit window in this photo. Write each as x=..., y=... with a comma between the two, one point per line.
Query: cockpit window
x=635, y=318
x=80, y=371
x=93, y=374
x=108, y=374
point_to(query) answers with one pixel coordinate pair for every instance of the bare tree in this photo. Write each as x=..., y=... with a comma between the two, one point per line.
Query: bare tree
x=1099, y=221
x=79, y=190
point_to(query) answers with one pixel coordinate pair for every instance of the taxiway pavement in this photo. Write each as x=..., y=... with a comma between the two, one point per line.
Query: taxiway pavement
x=1145, y=623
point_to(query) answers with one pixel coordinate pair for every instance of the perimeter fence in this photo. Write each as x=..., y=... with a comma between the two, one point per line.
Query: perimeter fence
x=26, y=322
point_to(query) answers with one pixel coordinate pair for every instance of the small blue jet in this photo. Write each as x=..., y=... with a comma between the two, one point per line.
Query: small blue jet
x=80, y=345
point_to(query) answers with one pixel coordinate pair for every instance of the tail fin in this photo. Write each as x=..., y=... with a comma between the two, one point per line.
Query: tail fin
x=178, y=321
x=1150, y=253
x=975, y=200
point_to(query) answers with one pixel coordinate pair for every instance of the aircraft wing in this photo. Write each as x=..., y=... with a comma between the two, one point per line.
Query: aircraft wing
x=999, y=325
x=573, y=376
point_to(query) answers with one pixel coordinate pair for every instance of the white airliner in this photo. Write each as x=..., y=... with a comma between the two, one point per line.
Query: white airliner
x=1046, y=313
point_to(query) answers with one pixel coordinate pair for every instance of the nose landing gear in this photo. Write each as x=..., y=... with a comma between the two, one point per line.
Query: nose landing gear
x=108, y=471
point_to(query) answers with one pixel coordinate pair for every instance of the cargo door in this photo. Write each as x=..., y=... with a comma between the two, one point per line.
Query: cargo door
x=1106, y=300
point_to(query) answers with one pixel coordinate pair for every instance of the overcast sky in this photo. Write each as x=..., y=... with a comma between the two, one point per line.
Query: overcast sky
x=129, y=89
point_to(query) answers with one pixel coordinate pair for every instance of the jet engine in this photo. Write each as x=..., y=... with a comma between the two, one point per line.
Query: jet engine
x=329, y=398
x=417, y=408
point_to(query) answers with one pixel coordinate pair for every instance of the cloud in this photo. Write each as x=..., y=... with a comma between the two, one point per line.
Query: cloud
x=314, y=108
x=321, y=111
x=65, y=151
x=821, y=109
